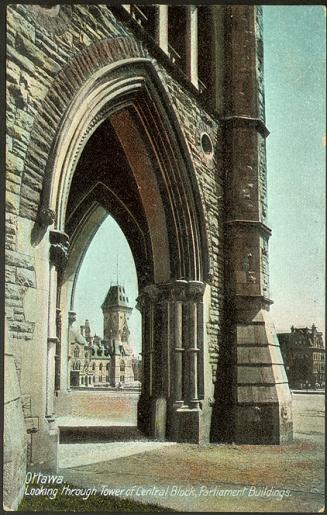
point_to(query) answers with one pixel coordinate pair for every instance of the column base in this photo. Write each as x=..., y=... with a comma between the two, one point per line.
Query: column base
x=176, y=423
x=257, y=408
x=188, y=425
x=263, y=407
x=44, y=455
x=152, y=416
x=263, y=424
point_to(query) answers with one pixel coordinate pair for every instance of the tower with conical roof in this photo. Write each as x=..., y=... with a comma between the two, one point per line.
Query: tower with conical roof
x=116, y=313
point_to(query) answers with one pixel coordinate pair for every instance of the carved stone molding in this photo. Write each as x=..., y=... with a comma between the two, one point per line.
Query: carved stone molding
x=59, y=247
x=46, y=216
x=72, y=317
x=174, y=291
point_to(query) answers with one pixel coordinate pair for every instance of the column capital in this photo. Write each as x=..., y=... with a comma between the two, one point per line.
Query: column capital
x=59, y=247
x=178, y=290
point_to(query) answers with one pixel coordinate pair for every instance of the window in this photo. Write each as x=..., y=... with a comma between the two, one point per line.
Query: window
x=145, y=15
x=204, y=48
x=177, y=35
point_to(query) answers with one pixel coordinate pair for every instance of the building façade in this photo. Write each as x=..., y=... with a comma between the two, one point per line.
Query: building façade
x=304, y=357
x=108, y=361
x=154, y=114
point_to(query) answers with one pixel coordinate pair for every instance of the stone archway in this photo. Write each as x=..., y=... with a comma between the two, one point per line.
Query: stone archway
x=174, y=266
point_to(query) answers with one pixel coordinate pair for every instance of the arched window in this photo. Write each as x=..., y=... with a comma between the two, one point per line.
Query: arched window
x=122, y=366
x=76, y=351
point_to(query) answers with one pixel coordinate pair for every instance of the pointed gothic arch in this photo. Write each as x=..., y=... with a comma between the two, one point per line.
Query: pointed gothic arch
x=130, y=94
x=174, y=263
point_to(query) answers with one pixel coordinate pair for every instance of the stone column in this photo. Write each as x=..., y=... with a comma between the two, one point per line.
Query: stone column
x=195, y=340
x=192, y=44
x=185, y=301
x=146, y=303
x=177, y=351
x=162, y=27
x=58, y=256
x=58, y=350
x=258, y=385
x=172, y=348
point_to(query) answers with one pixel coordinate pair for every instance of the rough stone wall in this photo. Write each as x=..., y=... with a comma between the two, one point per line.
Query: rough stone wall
x=40, y=50
x=14, y=436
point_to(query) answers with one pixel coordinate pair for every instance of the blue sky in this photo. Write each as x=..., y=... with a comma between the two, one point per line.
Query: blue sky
x=295, y=53
x=295, y=57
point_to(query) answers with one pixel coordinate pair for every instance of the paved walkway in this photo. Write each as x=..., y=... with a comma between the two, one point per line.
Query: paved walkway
x=218, y=478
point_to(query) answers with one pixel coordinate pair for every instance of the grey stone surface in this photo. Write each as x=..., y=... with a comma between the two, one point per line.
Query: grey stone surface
x=14, y=435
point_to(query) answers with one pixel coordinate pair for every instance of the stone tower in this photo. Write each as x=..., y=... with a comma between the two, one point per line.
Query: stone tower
x=153, y=114
x=116, y=313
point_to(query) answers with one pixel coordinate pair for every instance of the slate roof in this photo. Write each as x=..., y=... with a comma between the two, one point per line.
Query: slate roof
x=116, y=296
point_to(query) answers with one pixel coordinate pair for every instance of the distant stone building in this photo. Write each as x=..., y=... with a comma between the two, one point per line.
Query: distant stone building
x=304, y=356
x=116, y=313
x=109, y=361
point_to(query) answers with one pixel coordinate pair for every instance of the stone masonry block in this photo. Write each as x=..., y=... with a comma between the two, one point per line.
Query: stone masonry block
x=19, y=260
x=14, y=163
x=259, y=354
x=26, y=277
x=261, y=374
